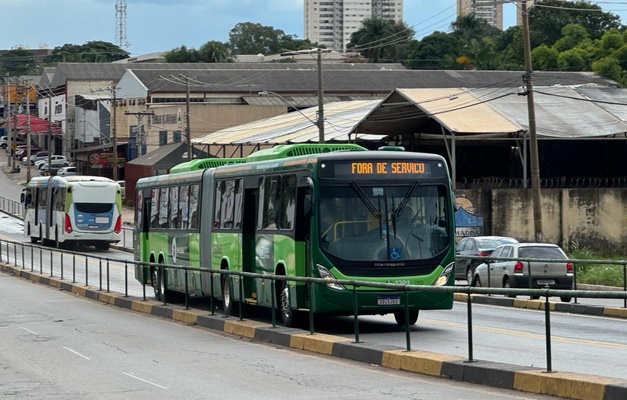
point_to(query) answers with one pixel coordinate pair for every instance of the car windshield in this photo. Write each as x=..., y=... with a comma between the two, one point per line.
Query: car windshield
x=383, y=223
x=541, y=252
x=493, y=243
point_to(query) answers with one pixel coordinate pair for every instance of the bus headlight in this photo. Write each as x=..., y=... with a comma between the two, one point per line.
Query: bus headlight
x=444, y=275
x=327, y=275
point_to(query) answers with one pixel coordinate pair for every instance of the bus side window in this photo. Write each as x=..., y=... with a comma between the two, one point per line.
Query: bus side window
x=228, y=197
x=288, y=202
x=239, y=198
x=154, y=209
x=184, y=207
x=139, y=208
x=163, y=207
x=218, y=204
x=174, y=205
x=193, y=207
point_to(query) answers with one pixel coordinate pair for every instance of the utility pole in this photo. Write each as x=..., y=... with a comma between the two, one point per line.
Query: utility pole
x=320, y=100
x=533, y=137
x=49, y=129
x=139, y=115
x=114, y=136
x=188, y=132
x=28, y=137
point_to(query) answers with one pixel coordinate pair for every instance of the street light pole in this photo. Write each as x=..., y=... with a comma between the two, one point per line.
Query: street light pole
x=320, y=100
x=533, y=137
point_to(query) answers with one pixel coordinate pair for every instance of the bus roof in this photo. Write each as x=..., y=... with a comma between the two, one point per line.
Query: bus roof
x=204, y=163
x=302, y=149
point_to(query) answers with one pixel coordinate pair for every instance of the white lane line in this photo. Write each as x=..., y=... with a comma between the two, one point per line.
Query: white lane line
x=75, y=352
x=29, y=331
x=143, y=380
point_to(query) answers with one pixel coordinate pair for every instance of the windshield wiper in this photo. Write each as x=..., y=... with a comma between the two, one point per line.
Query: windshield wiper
x=371, y=207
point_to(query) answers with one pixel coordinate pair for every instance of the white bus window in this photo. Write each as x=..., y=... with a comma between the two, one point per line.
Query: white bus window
x=163, y=207
x=139, y=208
x=268, y=193
x=218, y=204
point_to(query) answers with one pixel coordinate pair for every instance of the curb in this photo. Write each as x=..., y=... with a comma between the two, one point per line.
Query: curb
x=499, y=375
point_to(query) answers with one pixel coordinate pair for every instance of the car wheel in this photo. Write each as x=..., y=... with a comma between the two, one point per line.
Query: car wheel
x=506, y=285
x=477, y=281
x=535, y=297
x=565, y=299
x=469, y=273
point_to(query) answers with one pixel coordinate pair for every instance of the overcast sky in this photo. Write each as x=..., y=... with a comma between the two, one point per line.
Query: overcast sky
x=161, y=25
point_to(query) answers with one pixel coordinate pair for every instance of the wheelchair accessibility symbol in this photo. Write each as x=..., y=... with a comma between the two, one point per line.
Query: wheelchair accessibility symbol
x=395, y=253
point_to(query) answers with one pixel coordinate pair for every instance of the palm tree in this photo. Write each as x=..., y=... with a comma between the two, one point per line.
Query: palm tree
x=370, y=39
x=214, y=52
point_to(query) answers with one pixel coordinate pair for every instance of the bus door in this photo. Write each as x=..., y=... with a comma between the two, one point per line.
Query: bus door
x=249, y=225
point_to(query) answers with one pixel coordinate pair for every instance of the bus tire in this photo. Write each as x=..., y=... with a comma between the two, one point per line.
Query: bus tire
x=399, y=316
x=104, y=246
x=229, y=305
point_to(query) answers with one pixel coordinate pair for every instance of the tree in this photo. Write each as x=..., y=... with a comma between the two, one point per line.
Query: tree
x=380, y=38
x=610, y=68
x=254, y=38
x=468, y=26
x=214, y=52
x=572, y=60
x=544, y=58
x=182, y=55
x=18, y=62
x=546, y=20
x=573, y=35
x=429, y=53
x=94, y=51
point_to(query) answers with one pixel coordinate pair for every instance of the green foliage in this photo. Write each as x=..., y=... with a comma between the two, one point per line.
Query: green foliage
x=544, y=58
x=94, y=51
x=382, y=39
x=182, y=55
x=608, y=67
x=572, y=60
x=431, y=50
x=254, y=38
x=18, y=62
x=593, y=273
x=573, y=35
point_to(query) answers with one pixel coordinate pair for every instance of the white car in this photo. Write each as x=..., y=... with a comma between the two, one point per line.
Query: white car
x=54, y=158
x=66, y=171
x=38, y=156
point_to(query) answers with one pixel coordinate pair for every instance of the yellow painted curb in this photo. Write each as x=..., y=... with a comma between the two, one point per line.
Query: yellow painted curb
x=108, y=298
x=615, y=312
x=317, y=343
x=563, y=384
x=79, y=290
x=143, y=306
x=460, y=296
x=422, y=362
x=188, y=316
x=245, y=328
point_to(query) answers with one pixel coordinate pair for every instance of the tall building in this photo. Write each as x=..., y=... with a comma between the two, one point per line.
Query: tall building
x=332, y=22
x=519, y=20
x=487, y=10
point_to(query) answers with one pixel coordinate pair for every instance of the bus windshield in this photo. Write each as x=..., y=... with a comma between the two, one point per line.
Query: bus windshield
x=396, y=222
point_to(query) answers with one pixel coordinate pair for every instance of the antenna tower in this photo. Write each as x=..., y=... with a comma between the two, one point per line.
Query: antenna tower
x=120, y=29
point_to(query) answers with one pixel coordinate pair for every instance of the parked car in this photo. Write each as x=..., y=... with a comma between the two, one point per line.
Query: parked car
x=121, y=183
x=38, y=156
x=554, y=274
x=478, y=246
x=66, y=171
x=4, y=141
x=42, y=162
x=22, y=151
x=54, y=168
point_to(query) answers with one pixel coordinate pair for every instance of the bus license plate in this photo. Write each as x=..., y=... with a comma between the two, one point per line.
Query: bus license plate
x=389, y=301
x=102, y=220
x=546, y=281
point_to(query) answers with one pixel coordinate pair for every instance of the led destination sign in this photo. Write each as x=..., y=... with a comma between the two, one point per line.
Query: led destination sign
x=381, y=169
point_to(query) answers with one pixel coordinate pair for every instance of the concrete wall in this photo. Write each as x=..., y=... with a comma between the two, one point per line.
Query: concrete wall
x=595, y=217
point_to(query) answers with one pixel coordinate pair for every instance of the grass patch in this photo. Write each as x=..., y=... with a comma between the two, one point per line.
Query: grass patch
x=595, y=273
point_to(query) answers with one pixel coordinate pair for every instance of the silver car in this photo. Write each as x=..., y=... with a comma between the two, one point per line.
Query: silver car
x=554, y=274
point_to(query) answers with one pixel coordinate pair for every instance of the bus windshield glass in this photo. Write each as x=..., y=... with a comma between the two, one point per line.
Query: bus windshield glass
x=391, y=223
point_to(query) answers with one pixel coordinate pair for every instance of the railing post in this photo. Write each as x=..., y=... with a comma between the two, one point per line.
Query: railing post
x=356, y=313
x=51, y=261
x=61, y=265
x=311, y=310
x=186, y=290
x=488, y=268
x=574, y=282
x=211, y=298
x=125, y=278
x=99, y=273
x=86, y=272
x=73, y=267
x=273, y=303
x=625, y=283
x=530, y=284
x=23, y=258
x=108, y=276
x=547, y=322
x=240, y=304
x=470, y=342
x=406, y=311
x=32, y=257
x=41, y=258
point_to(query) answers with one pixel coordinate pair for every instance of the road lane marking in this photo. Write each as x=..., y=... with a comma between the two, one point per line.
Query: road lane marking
x=143, y=380
x=29, y=331
x=509, y=332
x=75, y=352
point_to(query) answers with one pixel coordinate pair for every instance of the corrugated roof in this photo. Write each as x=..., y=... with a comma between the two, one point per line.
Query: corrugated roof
x=295, y=127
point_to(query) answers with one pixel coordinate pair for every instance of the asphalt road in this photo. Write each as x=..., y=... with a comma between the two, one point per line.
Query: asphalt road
x=56, y=345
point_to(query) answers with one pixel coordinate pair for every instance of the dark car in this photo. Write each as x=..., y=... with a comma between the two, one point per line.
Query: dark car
x=478, y=246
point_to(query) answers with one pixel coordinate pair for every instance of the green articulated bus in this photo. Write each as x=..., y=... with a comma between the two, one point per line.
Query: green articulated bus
x=331, y=211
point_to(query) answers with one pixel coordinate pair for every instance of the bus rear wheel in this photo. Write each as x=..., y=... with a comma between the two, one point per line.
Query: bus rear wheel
x=399, y=316
x=288, y=314
x=228, y=304
x=104, y=246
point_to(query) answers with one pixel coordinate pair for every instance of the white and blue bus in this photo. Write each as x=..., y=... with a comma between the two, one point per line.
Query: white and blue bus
x=73, y=210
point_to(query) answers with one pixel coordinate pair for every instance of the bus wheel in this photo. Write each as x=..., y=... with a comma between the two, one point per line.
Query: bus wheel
x=229, y=306
x=399, y=316
x=33, y=239
x=287, y=313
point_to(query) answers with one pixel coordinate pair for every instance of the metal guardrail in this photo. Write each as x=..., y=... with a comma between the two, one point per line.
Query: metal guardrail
x=12, y=207
x=8, y=248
